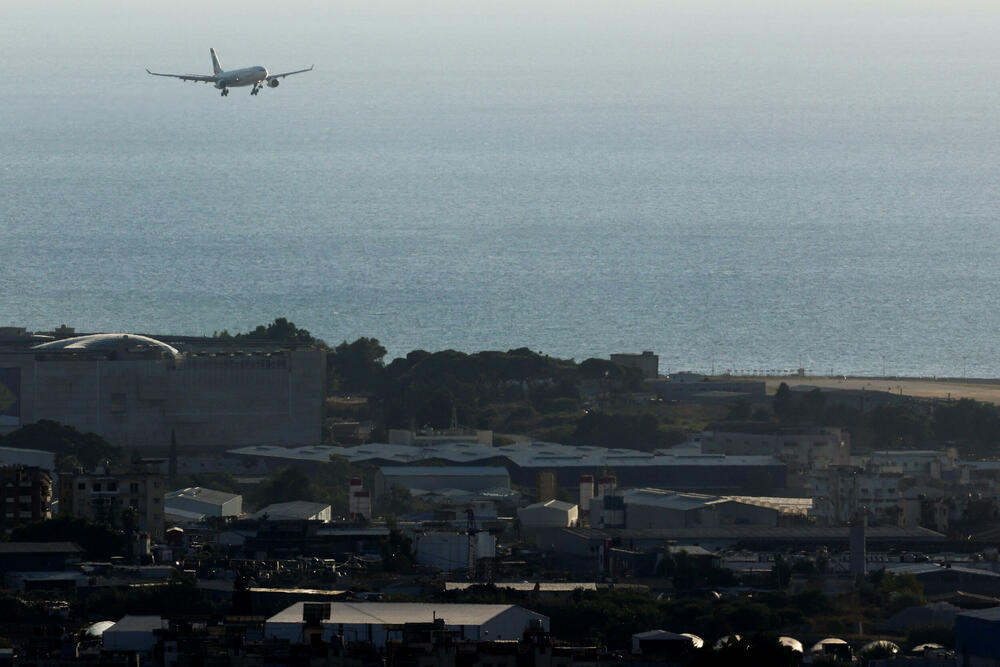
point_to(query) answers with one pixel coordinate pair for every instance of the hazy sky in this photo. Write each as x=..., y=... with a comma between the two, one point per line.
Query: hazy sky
x=460, y=34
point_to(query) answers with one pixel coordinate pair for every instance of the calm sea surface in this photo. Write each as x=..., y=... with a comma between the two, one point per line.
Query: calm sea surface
x=756, y=186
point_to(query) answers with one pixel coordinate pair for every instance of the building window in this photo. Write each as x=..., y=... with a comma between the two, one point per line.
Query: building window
x=112, y=486
x=82, y=486
x=117, y=403
x=97, y=488
x=133, y=487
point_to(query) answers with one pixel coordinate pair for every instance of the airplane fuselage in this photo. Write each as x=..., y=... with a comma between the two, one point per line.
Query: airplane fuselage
x=234, y=78
x=223, y=79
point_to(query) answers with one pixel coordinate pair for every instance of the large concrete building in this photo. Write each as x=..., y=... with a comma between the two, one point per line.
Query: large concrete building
x=137, y=391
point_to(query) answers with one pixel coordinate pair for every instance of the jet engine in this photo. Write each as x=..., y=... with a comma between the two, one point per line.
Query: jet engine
x=273, y=83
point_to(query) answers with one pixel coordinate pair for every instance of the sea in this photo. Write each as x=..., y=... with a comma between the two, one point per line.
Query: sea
x=738, y=186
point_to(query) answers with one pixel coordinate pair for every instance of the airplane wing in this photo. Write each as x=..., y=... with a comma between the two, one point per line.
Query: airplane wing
x=188, y=77
x=284, y=74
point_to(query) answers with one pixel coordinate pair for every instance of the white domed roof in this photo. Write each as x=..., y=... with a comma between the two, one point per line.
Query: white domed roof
x=107, y=341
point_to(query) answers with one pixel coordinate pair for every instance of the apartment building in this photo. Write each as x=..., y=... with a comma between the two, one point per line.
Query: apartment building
x=25, y=495
x=131, y=500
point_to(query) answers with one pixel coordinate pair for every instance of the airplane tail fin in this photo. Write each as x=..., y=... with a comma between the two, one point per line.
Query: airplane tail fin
x=216, y=67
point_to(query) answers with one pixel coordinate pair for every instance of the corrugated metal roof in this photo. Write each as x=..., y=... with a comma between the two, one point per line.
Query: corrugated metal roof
x=202, y=495
x=670, y=499
x=524, y=455
x=297, y=509
x=560, y=505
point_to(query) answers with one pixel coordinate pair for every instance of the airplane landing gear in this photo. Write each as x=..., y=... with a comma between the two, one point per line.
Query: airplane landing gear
x=255, y=90
x=225, y=91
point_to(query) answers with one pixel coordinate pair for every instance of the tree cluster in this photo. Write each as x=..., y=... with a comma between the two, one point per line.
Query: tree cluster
x=98, y=541
x=72, y=448
x=970, y=424
x=280, y=330
x=489, y=390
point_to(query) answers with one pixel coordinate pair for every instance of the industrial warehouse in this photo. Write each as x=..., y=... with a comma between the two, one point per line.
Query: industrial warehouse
x=524, y=460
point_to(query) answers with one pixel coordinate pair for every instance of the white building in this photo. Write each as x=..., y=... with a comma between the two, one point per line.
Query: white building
x=296, y=510
x=379, y=622
x=802, y=449
x=198, y=501
x=133, y=634
x=911, y=462
x=549, y=514
x=450, y=551
x=840, y=491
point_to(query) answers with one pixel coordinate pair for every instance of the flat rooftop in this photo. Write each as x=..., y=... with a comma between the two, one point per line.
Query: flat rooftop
x=398, y=613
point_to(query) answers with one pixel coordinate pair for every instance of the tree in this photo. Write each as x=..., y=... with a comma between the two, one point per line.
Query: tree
x=781, y=572
x=783, y=402
x=286, y=485
x=71, y=447
x=397, y=552
x=398, y=501
x=357, y=366
x=280, y=330
x=899, y=425
x=966, y=420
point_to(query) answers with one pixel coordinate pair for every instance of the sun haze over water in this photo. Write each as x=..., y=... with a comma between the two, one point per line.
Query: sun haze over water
x=740, y=185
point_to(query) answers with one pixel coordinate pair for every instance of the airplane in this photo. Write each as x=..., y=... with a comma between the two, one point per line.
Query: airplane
x=225, y=79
